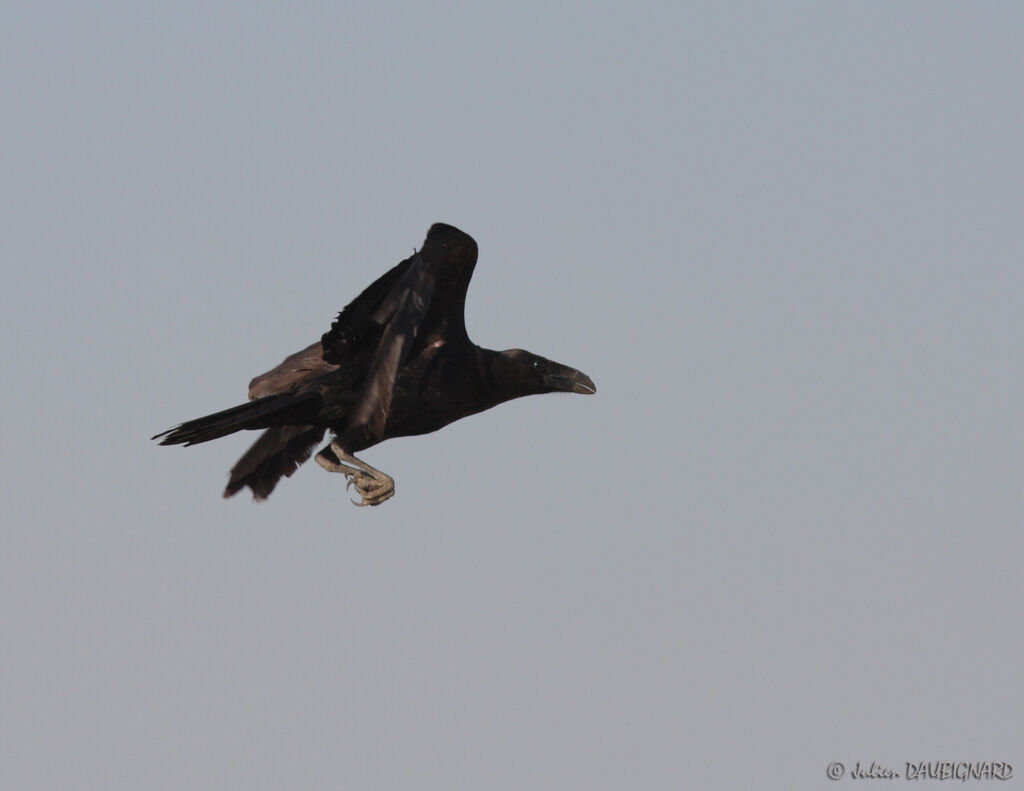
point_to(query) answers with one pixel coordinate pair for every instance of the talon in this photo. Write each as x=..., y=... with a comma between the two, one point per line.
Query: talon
x=373, y=486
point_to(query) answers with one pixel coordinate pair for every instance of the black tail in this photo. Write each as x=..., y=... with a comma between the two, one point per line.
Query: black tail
x=274, y=410
x=278, y=452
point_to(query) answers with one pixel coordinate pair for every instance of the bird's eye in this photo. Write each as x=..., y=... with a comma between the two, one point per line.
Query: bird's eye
x=536, y=365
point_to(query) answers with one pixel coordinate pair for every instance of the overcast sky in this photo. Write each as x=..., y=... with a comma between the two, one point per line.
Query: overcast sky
x=785, y=240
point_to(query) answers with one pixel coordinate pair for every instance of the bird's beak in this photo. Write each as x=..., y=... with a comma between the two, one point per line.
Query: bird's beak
x=569, y=380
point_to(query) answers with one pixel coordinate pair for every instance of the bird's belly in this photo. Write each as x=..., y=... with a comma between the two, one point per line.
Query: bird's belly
x=426, y=419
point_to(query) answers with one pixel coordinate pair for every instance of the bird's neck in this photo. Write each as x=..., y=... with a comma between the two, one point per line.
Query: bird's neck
x=496, y=385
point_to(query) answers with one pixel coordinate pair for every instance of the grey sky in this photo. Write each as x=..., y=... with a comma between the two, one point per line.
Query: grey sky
x=783, y=239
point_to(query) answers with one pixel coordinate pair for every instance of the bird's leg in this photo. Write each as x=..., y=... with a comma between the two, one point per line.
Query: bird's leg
x=373, y=485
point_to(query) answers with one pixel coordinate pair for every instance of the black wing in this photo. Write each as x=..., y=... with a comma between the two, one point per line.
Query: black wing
x=422, y=296
x=450, y=255
x=355, y=325
x=279, y=451
x=294, y=370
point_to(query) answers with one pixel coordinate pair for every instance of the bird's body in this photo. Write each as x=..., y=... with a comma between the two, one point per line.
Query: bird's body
x=396, y=362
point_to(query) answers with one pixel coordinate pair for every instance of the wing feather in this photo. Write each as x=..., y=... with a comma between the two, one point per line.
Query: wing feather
x=294, y=370
x=404, y=310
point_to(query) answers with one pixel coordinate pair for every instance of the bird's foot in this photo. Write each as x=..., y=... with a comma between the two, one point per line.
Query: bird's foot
x=373, y=489
x=373, y=486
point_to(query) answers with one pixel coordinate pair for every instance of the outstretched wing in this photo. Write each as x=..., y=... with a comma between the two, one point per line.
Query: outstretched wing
x=403, y=311
x=423, y=295
x=450, y=256
x=278, y=453
x=293, y=371
x=356, y=324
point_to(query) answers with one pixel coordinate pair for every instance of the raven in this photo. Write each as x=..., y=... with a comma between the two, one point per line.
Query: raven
x=397, y=362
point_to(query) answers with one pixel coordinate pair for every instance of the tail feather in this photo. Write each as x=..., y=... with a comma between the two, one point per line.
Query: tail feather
x=277, y=453
x=273, y=410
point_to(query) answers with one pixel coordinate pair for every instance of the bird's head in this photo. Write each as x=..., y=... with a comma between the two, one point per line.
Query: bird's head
x=530, y=374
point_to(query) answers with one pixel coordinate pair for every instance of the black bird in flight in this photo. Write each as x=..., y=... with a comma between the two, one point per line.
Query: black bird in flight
x=395, y=363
